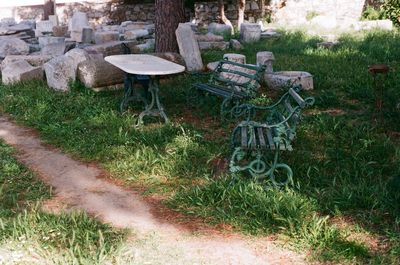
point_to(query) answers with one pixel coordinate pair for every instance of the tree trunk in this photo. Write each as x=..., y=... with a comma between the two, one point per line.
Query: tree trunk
x=222, y=15
x=241, y=8
x=48, y=9
x=262, y=3
x=169, y=13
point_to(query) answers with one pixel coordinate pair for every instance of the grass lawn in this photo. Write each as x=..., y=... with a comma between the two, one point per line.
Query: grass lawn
x=345, y=204
x=29, y=235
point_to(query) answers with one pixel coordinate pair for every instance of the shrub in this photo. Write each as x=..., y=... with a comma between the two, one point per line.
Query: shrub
x=392, y=10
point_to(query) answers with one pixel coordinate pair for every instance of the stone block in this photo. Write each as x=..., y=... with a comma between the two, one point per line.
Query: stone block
x=97, y=73
x=250, y=32
x=106, y=36
x=60, y=72
x=136, y=34
x=189, y=48
x=220, y=29
x=19, y=71
x=209, y=37
x=53, y=49
x=87, y=35
x=267, y=59
x=280, y=80
x=235, y=44
x=34, y=60
x=78, y=21
x=111, y=48
x=46, y=40
x=60, y=31
x=78, y=56
x=218, y=45
x=13, y=46
x=45, y=26
x=235, y=57
x=149, y=45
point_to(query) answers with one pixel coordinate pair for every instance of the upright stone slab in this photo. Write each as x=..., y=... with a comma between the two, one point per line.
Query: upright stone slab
x=189, y=48
x=60, y=72
x=53, y=19
x=87, y=35
x=45, y=26
x=106, y=36
x=78, y=22
x=19, y=71
x=13, y=46
x=267, y=59
x=250, y=32
x=60, y=31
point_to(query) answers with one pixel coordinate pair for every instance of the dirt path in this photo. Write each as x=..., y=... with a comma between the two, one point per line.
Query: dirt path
x=80, y=187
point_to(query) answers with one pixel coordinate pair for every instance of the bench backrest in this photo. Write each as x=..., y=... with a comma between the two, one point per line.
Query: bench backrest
x=288, y=110
x=243, y=78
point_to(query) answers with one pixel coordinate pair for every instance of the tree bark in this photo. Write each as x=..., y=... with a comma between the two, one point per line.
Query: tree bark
x=48, y=9
x=262, y=3
x=222, y=15
x=241, y=8
x=169, y=13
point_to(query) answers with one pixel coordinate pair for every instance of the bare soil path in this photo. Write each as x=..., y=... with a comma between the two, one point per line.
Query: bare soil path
x=80, y=186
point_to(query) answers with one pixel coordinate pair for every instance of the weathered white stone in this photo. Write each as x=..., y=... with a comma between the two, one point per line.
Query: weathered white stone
x=375, y=24
x=106, y=36
x=212, y=66
x=46, y=40
x=78, y=22
x=250, y=32
x=34, y=60
x=235, y=57
x=220, y=29
x=235, y=44
x=19, y=71
x=189, y=48
x=136, y=34
x=13, y=46
x=8, y=21
x=219, y=45
x=328, y=22
x=267, y=59
x=254, y=5
x=60, y=72
x=209, y=37
x=112, y=48
x=98, y=73
x=270, y=35
x=53, y=49
x=44, y=26
x=279, y=80
x=54, y=20
x=78, y=56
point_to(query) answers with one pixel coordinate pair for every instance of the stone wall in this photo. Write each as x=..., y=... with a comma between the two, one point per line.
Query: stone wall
x=207, y=12
x=301, y=11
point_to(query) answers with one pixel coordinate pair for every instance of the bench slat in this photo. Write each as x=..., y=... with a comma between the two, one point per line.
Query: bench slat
x=244, y=137
x=261, y=137
x=270, y=140
x=253, y=142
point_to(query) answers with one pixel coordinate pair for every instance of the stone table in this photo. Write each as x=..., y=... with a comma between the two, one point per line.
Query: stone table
x=146, y=65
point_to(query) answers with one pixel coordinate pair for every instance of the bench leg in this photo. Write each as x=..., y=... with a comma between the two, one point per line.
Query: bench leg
x=258, y=168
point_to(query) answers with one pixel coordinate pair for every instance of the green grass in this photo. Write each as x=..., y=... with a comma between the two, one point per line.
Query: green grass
x=347, y=166
x=65, y=237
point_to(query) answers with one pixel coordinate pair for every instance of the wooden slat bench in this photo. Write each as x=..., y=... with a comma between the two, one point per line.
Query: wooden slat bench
x=256, y=143
x=233, y=82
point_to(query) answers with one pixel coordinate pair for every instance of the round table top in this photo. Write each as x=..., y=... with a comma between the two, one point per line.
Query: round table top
x=144, y=64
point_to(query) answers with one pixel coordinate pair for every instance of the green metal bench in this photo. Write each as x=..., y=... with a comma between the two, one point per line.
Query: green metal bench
x=257, y=144
x=234, y=82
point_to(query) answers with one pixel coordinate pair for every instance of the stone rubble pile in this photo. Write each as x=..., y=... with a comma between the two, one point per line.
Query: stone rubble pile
x=63, y=53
